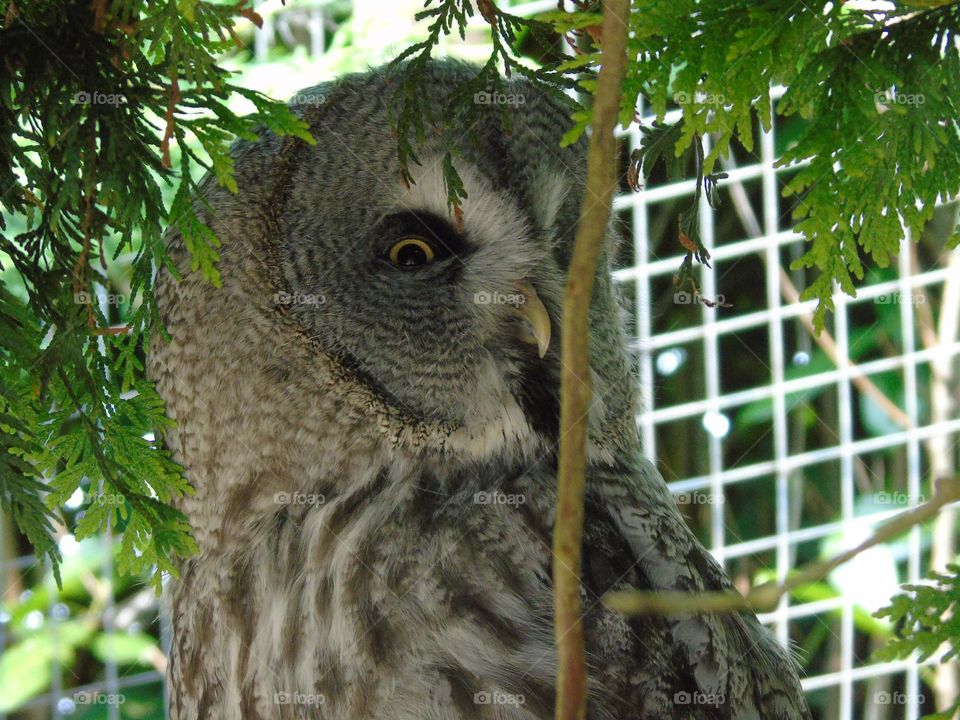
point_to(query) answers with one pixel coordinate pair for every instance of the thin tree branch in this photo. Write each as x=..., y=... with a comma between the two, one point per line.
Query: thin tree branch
x=826, y=342
x=765, y=597
x=789, y=292
x=575, y=388
x=946, y=682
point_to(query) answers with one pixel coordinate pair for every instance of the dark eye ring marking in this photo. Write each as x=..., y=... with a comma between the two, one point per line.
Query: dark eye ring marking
x=410, y=252
x=418, y=239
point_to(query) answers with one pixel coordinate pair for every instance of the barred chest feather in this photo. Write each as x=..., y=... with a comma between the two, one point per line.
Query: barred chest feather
x=412, y=595
x=345, y=573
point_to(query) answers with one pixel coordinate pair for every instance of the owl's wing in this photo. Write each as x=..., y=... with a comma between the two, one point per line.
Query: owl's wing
x=729, y=658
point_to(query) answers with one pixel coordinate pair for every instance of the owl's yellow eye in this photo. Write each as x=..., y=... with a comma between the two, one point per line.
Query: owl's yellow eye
x=411, y=252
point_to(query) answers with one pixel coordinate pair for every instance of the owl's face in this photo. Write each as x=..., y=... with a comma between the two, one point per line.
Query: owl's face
x=450, y=318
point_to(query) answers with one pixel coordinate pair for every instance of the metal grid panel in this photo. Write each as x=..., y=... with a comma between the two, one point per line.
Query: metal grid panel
x=768, y=241
x=68, y=693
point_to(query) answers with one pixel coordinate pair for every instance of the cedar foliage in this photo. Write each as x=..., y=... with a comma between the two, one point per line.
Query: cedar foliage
x=97, y=100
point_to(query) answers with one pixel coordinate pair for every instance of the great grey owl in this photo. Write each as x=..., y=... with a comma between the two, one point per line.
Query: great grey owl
x=368, y=410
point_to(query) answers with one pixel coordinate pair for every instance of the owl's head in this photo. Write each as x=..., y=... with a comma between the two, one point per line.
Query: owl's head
x=450, y=319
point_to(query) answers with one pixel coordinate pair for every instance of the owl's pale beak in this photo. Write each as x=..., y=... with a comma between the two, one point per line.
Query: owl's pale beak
x=535, y=317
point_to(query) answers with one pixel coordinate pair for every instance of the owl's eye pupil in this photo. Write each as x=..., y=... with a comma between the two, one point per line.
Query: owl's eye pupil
x=411, y=255
x=411, y=252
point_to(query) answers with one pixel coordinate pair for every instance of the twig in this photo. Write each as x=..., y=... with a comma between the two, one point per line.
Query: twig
x=946, y=682
x=826, y=342
x=575, y=389
x=789, y=291
x=765, y=597
x=170, y=120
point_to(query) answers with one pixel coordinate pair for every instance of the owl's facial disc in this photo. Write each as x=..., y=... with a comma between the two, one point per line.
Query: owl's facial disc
x=445, y=316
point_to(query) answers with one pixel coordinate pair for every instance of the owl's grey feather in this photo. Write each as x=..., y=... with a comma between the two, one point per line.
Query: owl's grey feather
x=342, y=445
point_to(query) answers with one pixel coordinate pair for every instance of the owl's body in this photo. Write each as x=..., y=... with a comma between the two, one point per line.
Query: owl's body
x=373, y=445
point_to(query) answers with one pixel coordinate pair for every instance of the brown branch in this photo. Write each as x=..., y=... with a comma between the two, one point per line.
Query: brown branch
x=933, y=335
x=112, y=330
x=765, y=597
x=789, y=292
x=826, y=342
x=170, y=120
x=575, y=389
x=89, y=203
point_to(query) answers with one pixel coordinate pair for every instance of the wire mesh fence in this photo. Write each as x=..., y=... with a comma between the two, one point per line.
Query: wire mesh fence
x=781, y=447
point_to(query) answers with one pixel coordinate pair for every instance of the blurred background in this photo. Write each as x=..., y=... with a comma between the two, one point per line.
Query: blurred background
x=781, y=447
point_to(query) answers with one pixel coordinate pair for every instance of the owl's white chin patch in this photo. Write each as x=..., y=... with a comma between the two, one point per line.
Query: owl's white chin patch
x=495, y=424
x=507, y=434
